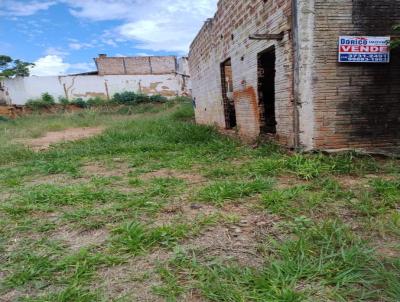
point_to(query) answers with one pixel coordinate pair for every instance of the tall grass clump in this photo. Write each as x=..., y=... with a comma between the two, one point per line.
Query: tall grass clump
x=45, y=102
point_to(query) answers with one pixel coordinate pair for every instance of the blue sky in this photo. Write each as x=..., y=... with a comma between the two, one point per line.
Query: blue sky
x=63, y=36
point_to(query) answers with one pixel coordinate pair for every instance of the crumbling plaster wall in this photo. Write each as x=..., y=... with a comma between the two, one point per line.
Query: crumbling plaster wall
x=355, y=105
x=227, y=36
x=85, y=86
x=4, y=95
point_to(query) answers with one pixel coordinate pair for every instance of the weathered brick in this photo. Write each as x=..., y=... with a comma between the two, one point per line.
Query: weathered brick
x=337, y=105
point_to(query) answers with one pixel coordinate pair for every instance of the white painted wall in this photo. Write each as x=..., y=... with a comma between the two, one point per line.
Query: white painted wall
x=20, y=90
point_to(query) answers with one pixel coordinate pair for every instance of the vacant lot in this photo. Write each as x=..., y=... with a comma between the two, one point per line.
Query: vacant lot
x=155, y=208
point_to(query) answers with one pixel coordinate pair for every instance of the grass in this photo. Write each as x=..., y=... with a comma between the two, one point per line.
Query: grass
x=325, y=259
x=222, y=191
x=312, y=221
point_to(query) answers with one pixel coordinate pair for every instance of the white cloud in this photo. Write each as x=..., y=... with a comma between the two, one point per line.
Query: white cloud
x=79, y=46
x=56, y=51
x=52, y=65
x=15, y=8
x=168, y=25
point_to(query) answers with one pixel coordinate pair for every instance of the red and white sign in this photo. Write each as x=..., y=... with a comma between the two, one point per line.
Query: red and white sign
x=364, y=49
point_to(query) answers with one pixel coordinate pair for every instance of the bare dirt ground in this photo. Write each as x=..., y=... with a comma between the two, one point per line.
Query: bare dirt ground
x=73, y=134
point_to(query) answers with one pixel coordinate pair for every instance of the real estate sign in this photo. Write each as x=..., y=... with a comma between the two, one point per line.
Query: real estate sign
x=364, y=49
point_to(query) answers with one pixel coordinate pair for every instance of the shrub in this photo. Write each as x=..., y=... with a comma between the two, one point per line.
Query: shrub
x=63, y=101
x=79, y=102
x=45, y=102
x=96, y=102
x=132, y=98
x=142, y=98
x=182, y=99
x=125, y=98
x=48, y=99
x=158, y=99
x=4, y=119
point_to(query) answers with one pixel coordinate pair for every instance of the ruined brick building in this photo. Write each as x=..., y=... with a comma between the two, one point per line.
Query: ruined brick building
x=271, y=67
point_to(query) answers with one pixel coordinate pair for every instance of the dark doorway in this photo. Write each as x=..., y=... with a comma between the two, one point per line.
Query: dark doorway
x=227, y=94
x=266, y=90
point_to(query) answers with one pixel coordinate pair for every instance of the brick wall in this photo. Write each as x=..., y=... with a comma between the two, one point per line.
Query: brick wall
x=136, y=65
x=227, y=36
x=355, y=105
x=110, y=66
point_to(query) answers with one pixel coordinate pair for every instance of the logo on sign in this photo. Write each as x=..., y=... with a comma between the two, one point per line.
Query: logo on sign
x=364, y=49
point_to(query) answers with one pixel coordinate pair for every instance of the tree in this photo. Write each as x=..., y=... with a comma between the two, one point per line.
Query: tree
x=10, y=67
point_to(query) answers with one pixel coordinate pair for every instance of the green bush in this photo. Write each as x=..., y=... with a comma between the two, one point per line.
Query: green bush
x=142, y=98
x=132, y=98
x=96, y=102
x=79, y=102
x=182, y=99
x=125, y=98
x=158, y=99
x=4, y=119
x=45, y=102
x=63, y=101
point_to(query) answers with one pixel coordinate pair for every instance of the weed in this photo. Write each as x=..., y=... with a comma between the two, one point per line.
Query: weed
x=46, y=197
x=334, y=264
x=79, y=102
x=306, y=261
x=279, y=201
x=136, y=238
x=219, y=192
x=45, y=102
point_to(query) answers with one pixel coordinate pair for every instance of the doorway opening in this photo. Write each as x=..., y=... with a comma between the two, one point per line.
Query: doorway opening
x=227, y=94
x=266, y=90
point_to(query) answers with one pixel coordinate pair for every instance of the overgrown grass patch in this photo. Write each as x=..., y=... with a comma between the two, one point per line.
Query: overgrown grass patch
x=120, y=181
x=222, y=191
x=49, y=197
x=306, y=198
x=325, y=262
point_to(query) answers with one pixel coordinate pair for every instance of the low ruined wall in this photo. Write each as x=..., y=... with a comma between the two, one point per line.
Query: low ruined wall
x=226, y=36
x=20, y=90
x=136, y=65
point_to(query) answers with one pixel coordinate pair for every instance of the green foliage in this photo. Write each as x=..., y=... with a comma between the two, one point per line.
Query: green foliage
x=142, y=98
x=125, y=98
x=158, y=99
x=45, y=102
x=324, y=263
x=219, y=192
x=185, y=112
x=96, y=102
x=63, y=101
x=138, y=190
x=46, y=197
x=79, y=102
x=10, y=67
x=385, y=196
x=132, y=98
x=4, y=119
x=136, y=238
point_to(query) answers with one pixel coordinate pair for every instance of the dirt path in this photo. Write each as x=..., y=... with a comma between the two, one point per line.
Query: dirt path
x=73, y=134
